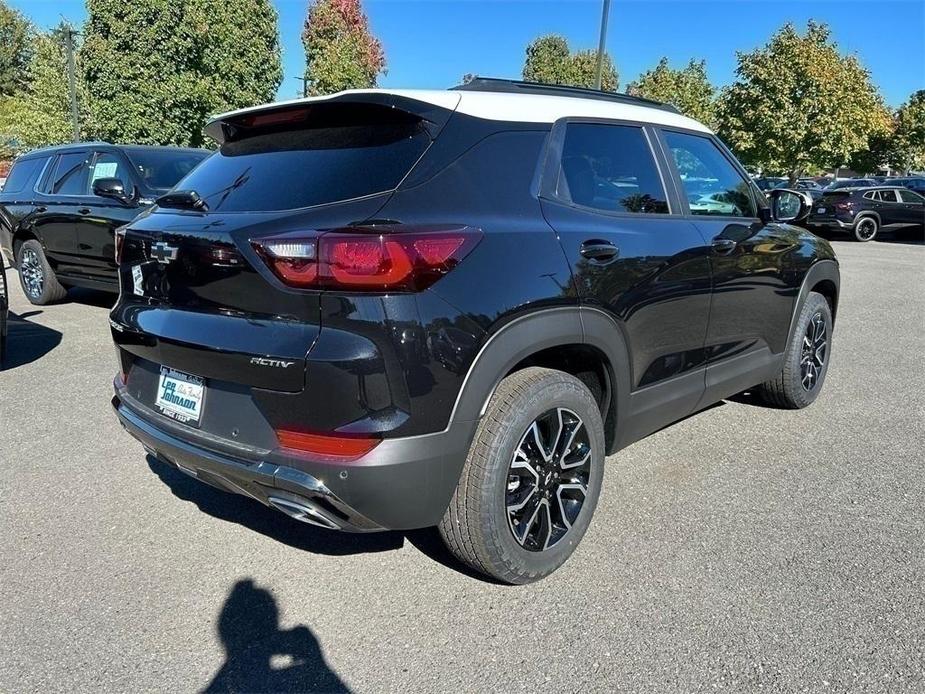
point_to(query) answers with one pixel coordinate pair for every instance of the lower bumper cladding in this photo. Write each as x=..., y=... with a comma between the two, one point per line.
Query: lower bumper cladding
x=293, y=492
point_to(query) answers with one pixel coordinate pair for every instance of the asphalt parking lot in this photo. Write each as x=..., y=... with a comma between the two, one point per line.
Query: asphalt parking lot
x=743, y=548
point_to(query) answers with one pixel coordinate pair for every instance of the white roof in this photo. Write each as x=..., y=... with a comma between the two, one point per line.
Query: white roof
x=528, y=108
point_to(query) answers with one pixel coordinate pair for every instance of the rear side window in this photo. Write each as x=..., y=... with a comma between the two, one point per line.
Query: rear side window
x=340, y=155
x=610, y=168
x=887, y=196
x=72, y=174
x=23, y=172
x=709, y=180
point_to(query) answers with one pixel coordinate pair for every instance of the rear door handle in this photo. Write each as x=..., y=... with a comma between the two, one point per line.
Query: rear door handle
x=723, y=246
x=599, y=251
x=84, y=210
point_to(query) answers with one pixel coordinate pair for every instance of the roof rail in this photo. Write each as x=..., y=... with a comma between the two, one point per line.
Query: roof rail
x=493, y=84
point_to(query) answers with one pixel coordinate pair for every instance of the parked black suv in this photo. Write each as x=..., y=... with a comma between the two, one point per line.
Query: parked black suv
x=865, y=212
x=60, y=206
x=415, y=308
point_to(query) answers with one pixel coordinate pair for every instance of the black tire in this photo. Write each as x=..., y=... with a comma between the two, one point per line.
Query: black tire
x=37, y=279
x=866, y=228
x=479, y=526
x=789, y=389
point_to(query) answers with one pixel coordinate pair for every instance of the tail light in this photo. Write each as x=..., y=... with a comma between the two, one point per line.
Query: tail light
x=120, y=239
x=368, y=259
x=341, y=447
x=843, y=205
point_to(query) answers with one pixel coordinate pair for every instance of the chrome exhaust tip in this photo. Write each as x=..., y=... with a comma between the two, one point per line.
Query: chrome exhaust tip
x=303, y=511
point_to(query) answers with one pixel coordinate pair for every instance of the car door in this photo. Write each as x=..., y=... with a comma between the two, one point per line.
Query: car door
x=100, y=217
x=633, y=257
x=913, y=206
x=753, y=283
x=892, y=212
x=61, y=195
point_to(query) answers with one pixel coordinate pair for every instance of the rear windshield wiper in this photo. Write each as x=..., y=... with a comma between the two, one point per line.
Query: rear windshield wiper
x=183, y=200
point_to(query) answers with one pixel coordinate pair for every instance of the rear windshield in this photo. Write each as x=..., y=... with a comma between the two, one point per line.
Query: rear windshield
x=22, y=172
x=290, y=166
x=160, y=169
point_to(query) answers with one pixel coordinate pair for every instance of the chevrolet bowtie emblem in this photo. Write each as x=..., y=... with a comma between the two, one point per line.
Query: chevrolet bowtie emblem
x=163, y=253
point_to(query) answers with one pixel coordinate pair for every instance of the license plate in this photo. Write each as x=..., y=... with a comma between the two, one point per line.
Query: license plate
x=180, y=396
x=820, y=210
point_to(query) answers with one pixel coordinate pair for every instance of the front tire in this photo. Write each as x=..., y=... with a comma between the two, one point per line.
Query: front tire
x=866, y=228
x=38, y=280
x=531, y=480
x=806, y=359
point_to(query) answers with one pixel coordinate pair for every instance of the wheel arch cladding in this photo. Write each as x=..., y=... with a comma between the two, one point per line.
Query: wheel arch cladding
x=824, y=278
x=584, y=343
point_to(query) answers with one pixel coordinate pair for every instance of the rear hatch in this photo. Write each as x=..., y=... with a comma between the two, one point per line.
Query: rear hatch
x=829, y=203
x=197, y=298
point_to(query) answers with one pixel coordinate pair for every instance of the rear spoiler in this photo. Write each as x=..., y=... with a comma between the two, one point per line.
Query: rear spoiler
x=236, y=125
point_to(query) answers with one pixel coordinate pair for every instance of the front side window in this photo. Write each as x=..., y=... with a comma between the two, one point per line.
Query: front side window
x=610, y=168
x=108, y=165
x=161, y=168
x=909, y=196
x=71, y=174
x=711, y=183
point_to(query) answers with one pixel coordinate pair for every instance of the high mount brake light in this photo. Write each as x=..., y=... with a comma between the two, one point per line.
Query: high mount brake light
x=368, y=259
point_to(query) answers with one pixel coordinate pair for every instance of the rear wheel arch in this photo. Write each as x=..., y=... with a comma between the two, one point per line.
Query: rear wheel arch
x=584, y=343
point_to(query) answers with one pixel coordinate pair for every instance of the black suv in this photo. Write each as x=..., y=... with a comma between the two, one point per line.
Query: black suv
x=60, y=206
x=393, y=310
x=865, y=212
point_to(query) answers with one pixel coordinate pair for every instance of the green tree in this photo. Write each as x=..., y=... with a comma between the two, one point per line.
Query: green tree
x=797, y=104
x=908, y=147
x=156, y=70
x=39, y=114
x=688, y=89
x=340, y=51
x=16, y=39
x=550, y=61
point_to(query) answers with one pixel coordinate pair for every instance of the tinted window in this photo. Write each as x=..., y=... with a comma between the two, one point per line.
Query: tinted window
x=909, y=196
x=160, y=169
x=710, y=182
x=71, y=174
x=24, y=171
x=109, y=165
x=888, y=196
x=347, y=154
x=611, y=168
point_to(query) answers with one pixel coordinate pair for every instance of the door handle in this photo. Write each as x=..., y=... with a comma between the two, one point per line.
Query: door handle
x=41, y=208
x=84, y=210
x=723, y=246
x=599, y=251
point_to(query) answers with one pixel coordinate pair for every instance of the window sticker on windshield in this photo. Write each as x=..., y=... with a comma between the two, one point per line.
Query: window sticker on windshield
x=105, y=169
x=138, y=280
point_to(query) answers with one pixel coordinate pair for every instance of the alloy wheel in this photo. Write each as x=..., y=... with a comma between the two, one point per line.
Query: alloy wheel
x=814, y=352
x=32, y=273
x=548, y=479
x=867, y=228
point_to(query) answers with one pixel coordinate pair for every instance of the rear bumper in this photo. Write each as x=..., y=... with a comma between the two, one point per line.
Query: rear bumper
x=829, y=223
x=401, y=484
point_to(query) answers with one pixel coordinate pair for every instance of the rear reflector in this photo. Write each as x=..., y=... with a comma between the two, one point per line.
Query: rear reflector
x=330, y=446
x=381, y=258
x=120, y=240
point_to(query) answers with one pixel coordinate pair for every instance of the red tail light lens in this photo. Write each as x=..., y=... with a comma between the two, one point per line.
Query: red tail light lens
x=843, y=205
x=368, y=259
x=324, y=445
x=120, y=240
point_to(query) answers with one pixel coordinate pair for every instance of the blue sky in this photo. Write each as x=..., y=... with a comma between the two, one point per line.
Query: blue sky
x=432, y=43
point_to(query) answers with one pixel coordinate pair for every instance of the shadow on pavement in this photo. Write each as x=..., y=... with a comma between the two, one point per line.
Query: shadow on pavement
x=92, y=297
x=308, y=538
x=27, y=342
x=261, y=657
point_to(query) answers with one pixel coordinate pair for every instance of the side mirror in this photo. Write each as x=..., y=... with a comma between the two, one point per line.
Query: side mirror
x=111, y=188
x=789, y=205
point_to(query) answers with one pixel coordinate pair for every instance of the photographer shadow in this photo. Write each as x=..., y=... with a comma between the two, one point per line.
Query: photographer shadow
x=261, y=657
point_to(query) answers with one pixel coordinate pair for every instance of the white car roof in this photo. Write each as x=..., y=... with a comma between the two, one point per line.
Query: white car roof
x=505, y=106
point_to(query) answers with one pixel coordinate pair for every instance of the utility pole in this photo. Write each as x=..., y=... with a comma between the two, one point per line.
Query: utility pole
x=69, y=35
x=304, y=81
x=605, y=13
